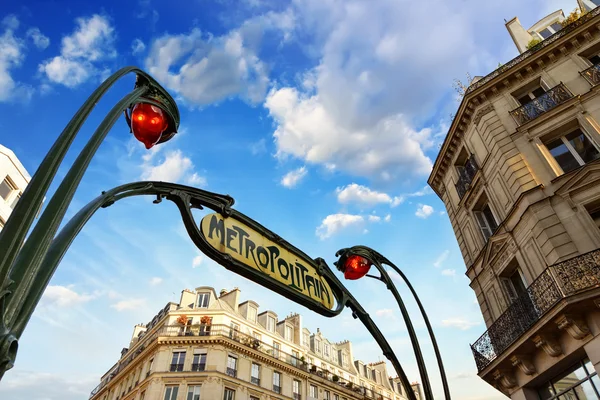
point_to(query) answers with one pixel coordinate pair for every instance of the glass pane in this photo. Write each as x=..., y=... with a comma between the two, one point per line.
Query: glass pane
x=546, y=392
x=545, y=33
x=570, y=378
x=585, y=391
x=5, y=189
x=568, y=396
x=588, y=364
x=556, y=26
x=538, y=92
x=561, y=154
x=583, y=146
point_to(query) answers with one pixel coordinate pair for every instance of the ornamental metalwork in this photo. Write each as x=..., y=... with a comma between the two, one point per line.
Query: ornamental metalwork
x=557, y=282
x=538, y=106
x=544, y=43
x=592, y=74
x=466, y=175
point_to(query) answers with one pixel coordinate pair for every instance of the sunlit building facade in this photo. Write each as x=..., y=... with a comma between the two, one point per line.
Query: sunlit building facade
x=13, y=180
x=215, y=347
x=519, y=174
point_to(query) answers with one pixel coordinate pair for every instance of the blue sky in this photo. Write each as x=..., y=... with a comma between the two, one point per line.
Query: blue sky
x=321, y=118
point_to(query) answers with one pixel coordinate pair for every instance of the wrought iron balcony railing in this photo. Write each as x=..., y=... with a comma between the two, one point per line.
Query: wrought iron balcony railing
x=198, y=367
x=557, y=282
x=466, y=175
x=592, y=74
x=255, y=381
x=231, y=372
x=538, y=106
x=277, y=389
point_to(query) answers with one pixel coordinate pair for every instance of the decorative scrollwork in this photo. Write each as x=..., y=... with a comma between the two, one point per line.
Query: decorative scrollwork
x=552, y=98
x=558, y=281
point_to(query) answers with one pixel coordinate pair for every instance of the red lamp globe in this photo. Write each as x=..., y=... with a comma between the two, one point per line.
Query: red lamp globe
x=148, y=122
x=355, y=267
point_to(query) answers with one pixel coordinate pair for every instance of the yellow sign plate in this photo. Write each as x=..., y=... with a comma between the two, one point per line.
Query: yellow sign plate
x=244, y=244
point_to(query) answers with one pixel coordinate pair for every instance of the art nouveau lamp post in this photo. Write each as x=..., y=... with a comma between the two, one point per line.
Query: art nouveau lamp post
x=356, y=262
x=153, y=118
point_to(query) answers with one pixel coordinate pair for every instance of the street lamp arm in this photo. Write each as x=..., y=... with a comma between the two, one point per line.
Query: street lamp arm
x=26, y=267
x=16, y=228
x=187, y=196
x=378, y=260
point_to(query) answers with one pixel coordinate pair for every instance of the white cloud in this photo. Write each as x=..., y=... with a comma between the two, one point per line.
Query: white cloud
x=441, y=258
x=449, y=272
x=64, y=296
x=385, y=312
x=129, y=304
x=292, y=178
x=173, y=167
x=334, y=223
x=459, y=323
x=355, y=193
x=40, y=40
x=21, y=383
x=81, y=52
x=374, y=218
x=424, y=211
x=205, y=69
x=259, y=147
x=137, y=46
x=11, y=57
x=197, y=261
x=155, y=281
x=388, y=218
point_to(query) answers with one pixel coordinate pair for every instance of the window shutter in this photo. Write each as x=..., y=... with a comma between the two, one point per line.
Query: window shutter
x=486, y=231
x=511, y=293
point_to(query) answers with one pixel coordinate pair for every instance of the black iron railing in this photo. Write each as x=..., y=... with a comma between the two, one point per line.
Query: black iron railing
x=466, y=175
x=255, y=381
x=557, y=282
x=538, y=106
x=592, y=74
x=231, y=372
x=297, y=396
x=198, y=367
x=277, y=389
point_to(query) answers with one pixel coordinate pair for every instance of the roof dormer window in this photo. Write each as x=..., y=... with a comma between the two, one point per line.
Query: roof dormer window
x=203, y=300
x=549, y=30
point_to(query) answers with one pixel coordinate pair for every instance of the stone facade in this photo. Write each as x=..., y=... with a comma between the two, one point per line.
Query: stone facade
x=211, y=346
x=519, y=174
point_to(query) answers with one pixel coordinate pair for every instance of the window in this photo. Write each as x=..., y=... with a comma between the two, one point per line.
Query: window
x=234, y=330
x=485, y=218
x=514, y=283
x=295, y=357
x=271, y=324
x=171, y=392
x=276, y=348
x=572, y=150
x=199, y=361
x=336, y=396
x=530, y=93
x=252, y=314
x=326, y=350
x=594, y=211
x=305, y=339
x=229, y=394
x=177, y=361
x=231, y=366
x=312, y=391
x=277, y=382
x=150, y=364
x=289, y=333
x=255, y=374
x=203, y=300
x=193, y=393
x=6, y=188
x=578, y=382
x=296, y=389
x=317, y=346
x=550, y=30
x=327, y=395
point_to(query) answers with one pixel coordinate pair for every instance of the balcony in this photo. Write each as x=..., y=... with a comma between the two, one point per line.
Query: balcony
x=277, y=389
x=176, y=367
x=557, y=282
x=255, y=381
x=231, y=372
x=466, y=175
x=592, y=74
x=198, y=367
x=297, y=396
x=538, y=106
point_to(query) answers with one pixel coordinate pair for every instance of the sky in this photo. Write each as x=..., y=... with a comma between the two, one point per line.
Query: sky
x=322, y=118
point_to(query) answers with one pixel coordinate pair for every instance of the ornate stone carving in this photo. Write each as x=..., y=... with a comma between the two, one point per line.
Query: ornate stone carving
x=524, y=363
x=505, y=255
x=505, y=378
x=481, y=112
x=548, y=344
x=575, y=325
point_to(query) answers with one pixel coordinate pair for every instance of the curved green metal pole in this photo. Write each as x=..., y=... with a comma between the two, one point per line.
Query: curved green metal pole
x=16, y=228
x=26, y=268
